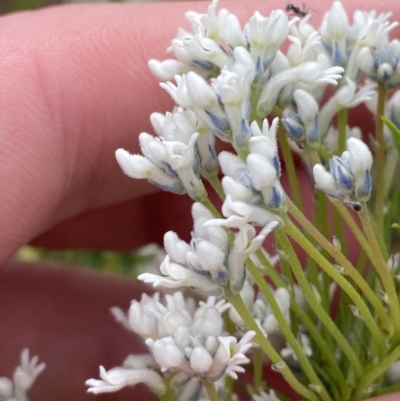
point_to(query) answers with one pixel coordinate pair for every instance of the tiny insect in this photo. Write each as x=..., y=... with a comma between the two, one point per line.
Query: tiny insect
x=291, y=8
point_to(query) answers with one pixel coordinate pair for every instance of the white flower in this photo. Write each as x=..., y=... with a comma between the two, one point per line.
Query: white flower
x=345, y=98
x=301, y=51
x=303, y=126
x=369, y=30
x=381, y=64
x=349, y=178
x=275, y=28
x=265, y=179
x=246, y=243
x=233, y=353
x=23, y=378
x=139, y=167
x=233, y=86
x=334, y=31
x=264, y=142
x=187, y=341
x=197, y=49
x=309, y=73
x=194, y=93
x=28, y=370
x=140, y=318
x=167, y=69
x=117, y=378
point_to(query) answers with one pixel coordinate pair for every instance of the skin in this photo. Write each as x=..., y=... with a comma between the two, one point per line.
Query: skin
x=74, y=87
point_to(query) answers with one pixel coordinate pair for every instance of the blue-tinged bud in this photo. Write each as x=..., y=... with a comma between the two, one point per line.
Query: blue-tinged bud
x=277, y=164
x=259, y=70
x=176, y=188
x=294, y=129
x=313, y=136
x=340, y=172
x=276, y=200
x=219, y=124
x=363, y=191
x=204, y=64
x=338, y=57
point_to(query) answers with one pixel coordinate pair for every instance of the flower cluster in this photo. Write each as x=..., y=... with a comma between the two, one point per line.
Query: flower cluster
x=277, y=84
x=183, y=339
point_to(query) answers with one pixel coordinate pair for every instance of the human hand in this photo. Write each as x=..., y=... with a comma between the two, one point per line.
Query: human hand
x=74, y=87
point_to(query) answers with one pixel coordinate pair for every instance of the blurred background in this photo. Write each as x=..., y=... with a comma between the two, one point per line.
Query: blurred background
x=7, y=6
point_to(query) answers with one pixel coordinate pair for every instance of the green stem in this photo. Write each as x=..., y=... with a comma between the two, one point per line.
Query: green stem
x=348, y=218
x=324, y=153
x=210, y=389
x=290, y=167
x=258, y=369
x=268, y=269
x=393, y=388
x=237, y=302
x=169, y=393
x=308, y=324
x=380, y=158
x=342, y=282
x=381, y=269
x=292, y=341
x=351, y=271
x=321, y=221
x=375, y=372
x=228, y=389
x=342, y=125
x=210, y=206
x=216, y=184
x=292, y=230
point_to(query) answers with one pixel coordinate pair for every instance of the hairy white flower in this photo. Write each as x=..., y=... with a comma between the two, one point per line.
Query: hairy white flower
x=233, y=86
x=381, y=64
x=246, y=243
x=346, y=97
x=368, y=31
x=167, y=69
x=275, y=28
x=309, y=73
x=194, y=93
x=264, y=143
x=180, y=339
x=303, y=126
x=349, y=178
x=139, y=167
x=334, y=31
x=117, y=378
x=301, y=51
